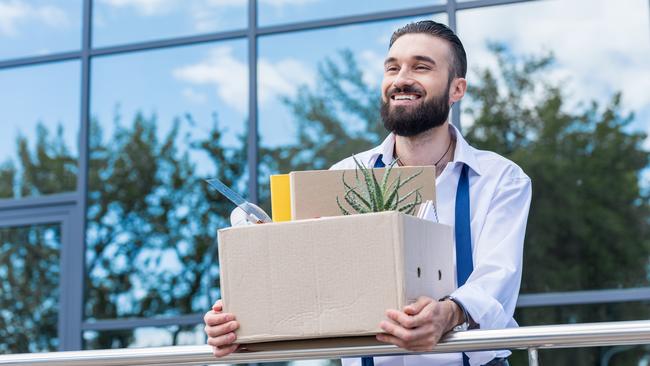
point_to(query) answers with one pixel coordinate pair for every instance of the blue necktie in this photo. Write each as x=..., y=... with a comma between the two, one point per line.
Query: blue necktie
x=463, y=233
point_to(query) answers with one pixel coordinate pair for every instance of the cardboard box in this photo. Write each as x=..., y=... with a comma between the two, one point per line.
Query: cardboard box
x=314, y=192
x=330, y=277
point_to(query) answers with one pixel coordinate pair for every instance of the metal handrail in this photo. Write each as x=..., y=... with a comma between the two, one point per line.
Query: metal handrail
x=531, y=338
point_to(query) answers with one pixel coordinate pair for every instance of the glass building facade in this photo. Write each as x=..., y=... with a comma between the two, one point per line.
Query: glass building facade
x=113, y=111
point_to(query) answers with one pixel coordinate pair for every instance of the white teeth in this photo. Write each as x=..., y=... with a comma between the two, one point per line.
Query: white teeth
x=404, y=97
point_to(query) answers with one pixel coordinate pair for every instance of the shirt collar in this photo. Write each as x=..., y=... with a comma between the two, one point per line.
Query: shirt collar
x=463, y=152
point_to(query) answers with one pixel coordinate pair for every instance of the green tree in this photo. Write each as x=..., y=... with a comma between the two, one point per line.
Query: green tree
x=29, y=268
x=152, y=226
x=152, y=223
x=29, y=255
x=588, y=224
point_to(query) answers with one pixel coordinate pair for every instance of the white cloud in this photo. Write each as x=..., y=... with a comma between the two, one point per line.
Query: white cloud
x=230, y=77
x=224, y=71
x=282, y=78
x=144, y=7
x=217, y=3
x=281, y=3
x=274, y=3
x=52, y=16
x=371, y=64
x=596, y=58
x=10, y=14
x=194, y=96
x=13, y=13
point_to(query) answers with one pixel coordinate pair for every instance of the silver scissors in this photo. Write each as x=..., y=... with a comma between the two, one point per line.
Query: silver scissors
x=254, y=214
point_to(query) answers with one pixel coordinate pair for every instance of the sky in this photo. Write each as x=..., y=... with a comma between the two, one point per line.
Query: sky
x=595, y=58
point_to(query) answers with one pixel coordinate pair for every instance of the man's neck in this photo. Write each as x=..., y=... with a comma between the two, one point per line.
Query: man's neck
x=426, y=148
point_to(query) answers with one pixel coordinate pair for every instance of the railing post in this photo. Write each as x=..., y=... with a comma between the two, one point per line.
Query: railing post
x=533, y=357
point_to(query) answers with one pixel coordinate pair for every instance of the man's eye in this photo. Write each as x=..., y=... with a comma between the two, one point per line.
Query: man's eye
x=422, y=67
x=391, y=68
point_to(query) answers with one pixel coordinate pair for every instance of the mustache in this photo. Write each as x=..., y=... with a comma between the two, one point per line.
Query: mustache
x=404, y=89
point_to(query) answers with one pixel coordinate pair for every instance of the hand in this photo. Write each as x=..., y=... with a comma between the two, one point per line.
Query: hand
x=421, y=325
x=220, y=328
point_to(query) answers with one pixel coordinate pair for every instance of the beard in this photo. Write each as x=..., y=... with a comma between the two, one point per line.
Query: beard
x=413, y=120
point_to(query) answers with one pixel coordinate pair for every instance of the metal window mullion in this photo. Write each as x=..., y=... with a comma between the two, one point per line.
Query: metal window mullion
x=486, y=3
x=39, y=60
x=132, y=323
x=167, y=43
x=73, y=247
x=253, y=150
x=587, y=297
x=350, y=20
x=451, y=20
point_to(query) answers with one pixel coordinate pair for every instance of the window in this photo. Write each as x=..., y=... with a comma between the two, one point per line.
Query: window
x=119, y=22
x=272, y=12
x=172, y=118
x=40, y=120
x=29, y=288
x=39, y=27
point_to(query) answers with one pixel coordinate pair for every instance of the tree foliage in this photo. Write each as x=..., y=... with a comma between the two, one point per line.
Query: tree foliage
x=588, y=223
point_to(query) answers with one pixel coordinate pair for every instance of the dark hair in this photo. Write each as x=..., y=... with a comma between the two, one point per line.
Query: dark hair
x=458, y=56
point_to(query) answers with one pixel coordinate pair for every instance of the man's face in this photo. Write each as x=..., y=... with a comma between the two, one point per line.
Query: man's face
x=415, y=89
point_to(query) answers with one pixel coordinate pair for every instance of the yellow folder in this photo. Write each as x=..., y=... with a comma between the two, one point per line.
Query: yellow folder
x=280, y=197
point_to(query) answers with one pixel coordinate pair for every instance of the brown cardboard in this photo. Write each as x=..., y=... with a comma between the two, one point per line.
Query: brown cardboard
x=314, y=192
x=330, y=277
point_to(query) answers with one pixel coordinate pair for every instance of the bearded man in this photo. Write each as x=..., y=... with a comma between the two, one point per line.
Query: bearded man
x=484, y=196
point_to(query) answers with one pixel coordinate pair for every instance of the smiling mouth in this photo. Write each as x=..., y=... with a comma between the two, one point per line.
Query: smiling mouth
x=405, y=97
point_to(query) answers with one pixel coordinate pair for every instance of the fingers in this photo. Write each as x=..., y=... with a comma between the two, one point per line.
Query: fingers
x=407, y=335
x=418, y=305
x=218, y=306
x=217, y=330
x=211, y=318
x=414, y=315
x=220, y=328
x=224, y=340
x=423, y=345
x=405, y=320
x=224, y=351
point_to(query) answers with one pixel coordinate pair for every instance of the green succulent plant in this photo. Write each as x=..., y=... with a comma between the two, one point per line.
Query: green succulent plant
x=370, y=195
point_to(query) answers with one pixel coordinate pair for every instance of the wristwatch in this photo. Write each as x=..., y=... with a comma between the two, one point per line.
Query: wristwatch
x=465, y=324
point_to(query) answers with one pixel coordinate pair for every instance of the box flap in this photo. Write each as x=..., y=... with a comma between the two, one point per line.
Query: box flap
x=313, y=193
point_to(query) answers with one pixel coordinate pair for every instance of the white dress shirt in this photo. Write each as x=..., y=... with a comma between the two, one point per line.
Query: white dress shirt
x=500, y=194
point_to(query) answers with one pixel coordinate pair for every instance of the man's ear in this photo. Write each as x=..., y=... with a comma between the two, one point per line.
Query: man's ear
x=457, y=90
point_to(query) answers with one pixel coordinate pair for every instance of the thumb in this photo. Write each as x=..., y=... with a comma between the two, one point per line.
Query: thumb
x=218, y=306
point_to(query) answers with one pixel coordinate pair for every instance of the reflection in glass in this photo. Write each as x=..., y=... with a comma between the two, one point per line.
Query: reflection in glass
x=273, y=12
x=555, y=109
x=40, y=122
x=585, y=313
x=145, y=337
x=322, y=104
x=119, y=22
x=161, y=122
x=39, y=27
x=29, y=288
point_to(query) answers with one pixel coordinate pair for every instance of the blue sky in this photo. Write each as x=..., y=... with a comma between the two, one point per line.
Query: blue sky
x=594, y=59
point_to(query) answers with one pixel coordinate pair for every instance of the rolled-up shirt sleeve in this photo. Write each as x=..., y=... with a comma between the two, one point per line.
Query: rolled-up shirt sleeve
x=490, y=293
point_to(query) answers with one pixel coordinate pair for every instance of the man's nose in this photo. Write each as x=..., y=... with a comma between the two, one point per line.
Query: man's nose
x=403, y=79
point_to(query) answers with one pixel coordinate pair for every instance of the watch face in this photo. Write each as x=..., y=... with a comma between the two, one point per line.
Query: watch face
x=461, y=328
